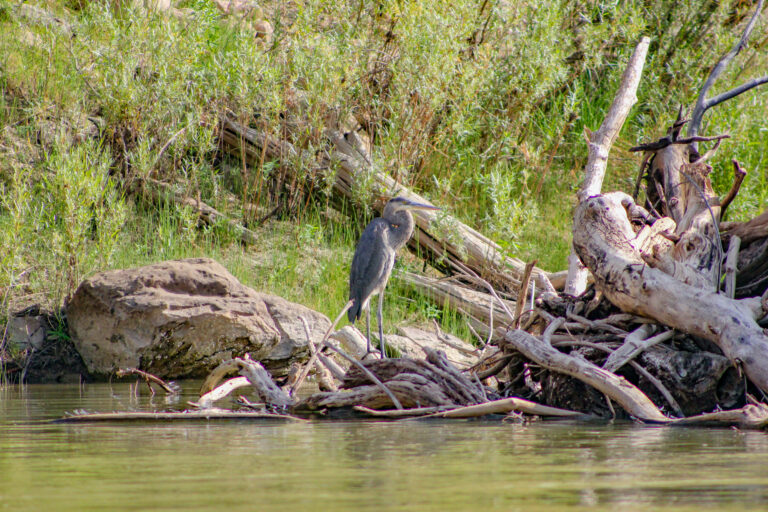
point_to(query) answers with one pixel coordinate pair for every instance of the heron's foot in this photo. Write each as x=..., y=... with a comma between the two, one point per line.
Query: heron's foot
x=371, y=354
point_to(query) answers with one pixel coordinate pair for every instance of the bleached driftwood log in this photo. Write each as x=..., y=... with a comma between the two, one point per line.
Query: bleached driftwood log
x=481, y=306
x=631, y=399
x=600, y=143
x=603, y=239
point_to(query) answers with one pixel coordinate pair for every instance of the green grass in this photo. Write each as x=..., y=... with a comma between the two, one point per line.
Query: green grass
x=480, y=106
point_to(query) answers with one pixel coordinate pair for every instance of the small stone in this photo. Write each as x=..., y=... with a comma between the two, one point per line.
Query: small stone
x=263, y=29
x=27, y=331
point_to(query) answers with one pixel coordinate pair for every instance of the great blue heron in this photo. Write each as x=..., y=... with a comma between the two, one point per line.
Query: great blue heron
x=375, y=257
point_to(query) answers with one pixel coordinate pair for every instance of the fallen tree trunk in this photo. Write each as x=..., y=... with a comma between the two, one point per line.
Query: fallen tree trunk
x=442, y=239
x=160, y=191
x=481, y=306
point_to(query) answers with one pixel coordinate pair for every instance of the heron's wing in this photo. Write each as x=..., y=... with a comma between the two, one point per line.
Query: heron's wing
x=371, y=265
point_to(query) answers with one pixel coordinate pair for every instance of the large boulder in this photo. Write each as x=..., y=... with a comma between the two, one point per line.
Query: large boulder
x=182, y=318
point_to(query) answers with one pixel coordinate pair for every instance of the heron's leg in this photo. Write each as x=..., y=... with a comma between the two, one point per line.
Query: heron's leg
x=381, y=328
x=368, y=326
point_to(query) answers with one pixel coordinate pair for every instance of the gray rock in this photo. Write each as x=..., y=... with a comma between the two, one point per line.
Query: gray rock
x=182, y=318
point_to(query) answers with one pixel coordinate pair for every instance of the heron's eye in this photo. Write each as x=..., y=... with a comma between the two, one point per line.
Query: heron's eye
x=395, y=225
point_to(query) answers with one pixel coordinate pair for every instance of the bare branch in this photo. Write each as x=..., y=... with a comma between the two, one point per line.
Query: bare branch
x=521, y=295
x=702, y=104
x=600, y=144
x=170, y=388
x=738, y=176
x=601, y=141
x=735, y=92
x=639, y=369
x=668, y=141
x=709, y=154
x=634, y=401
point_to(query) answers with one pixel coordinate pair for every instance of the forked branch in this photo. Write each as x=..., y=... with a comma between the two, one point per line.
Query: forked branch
x=702, y=103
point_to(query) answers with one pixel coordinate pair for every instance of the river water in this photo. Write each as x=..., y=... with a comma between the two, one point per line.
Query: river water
x=358, y=465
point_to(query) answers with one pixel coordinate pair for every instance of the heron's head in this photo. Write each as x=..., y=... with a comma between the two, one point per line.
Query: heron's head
x=397, y=204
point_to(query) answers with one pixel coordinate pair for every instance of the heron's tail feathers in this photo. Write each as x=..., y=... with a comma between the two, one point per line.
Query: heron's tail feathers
x=354, y=312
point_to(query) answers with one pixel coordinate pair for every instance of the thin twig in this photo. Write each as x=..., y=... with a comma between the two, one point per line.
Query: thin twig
x=471, y=273
x=307, y=367
x=148, y=377
x=522, y=291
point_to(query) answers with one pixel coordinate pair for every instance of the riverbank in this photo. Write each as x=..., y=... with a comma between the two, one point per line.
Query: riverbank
x=449, y=99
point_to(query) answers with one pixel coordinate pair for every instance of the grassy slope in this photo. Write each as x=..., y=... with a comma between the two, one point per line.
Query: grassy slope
x=478, y=105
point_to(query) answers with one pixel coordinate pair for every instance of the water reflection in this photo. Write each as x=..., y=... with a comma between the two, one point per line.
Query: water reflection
x=414, y=465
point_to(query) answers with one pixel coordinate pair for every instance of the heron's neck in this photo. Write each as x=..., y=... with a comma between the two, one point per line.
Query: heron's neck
x=401, y=224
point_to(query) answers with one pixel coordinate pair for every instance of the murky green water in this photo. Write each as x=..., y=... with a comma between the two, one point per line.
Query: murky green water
x=329, y=466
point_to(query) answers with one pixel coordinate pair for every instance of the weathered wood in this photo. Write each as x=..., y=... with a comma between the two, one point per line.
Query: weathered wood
x=411, y=390
x=507, y=405
x=209, y=215
x=352, y=341
x=738, y=177
x=449, y=293
x=602, y=238
x=262, y=383
x=633, y=345
x=639, y=369
x=207, y=400
x=368, y=374
x=731, y=262
x=454, y=377
x=458, y=390
x=752, y=275
x=600, y=144
x=753, y=416
x=696, y=379
x=617, y=388
x=169, y=388
x=405, y=413
x=521, y=295
x=749, y=231
x=323, y=371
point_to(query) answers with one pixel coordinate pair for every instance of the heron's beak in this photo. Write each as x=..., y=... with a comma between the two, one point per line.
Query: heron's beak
x=413, y=205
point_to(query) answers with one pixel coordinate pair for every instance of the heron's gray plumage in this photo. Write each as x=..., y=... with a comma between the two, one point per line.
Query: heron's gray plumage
x=370, y=267
x=375, y=255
